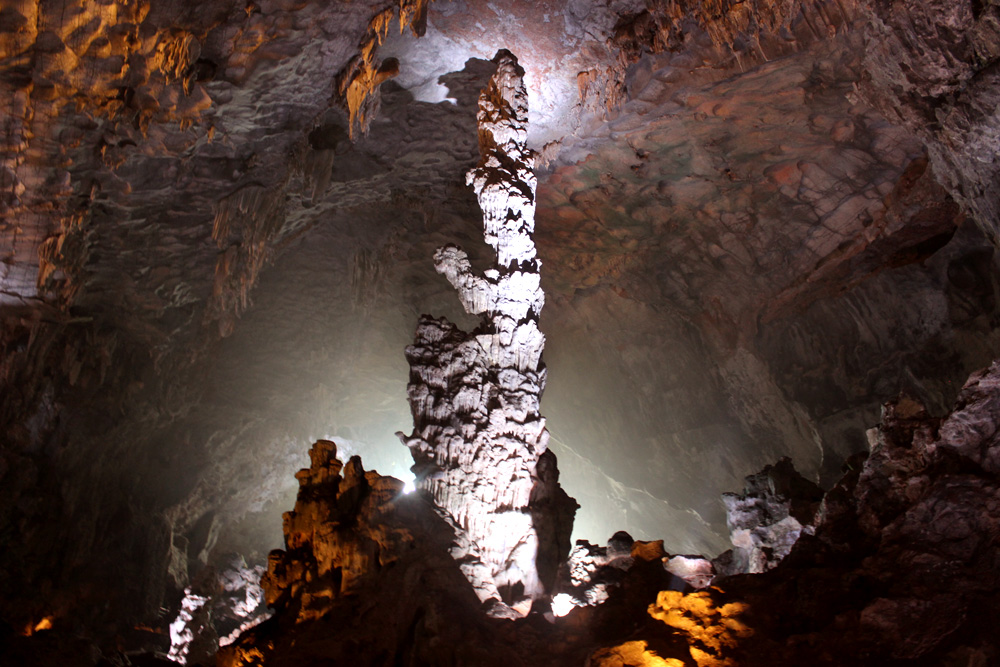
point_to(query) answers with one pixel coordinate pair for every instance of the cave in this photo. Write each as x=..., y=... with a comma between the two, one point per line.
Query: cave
x=764, y=234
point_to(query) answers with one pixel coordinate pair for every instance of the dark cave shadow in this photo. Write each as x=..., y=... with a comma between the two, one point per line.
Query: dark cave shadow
x=464, y=86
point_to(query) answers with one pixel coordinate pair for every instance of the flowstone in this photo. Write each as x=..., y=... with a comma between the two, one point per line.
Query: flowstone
x=479, y=443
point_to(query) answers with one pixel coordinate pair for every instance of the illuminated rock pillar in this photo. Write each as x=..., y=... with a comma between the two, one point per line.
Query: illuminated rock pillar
x=479, y=441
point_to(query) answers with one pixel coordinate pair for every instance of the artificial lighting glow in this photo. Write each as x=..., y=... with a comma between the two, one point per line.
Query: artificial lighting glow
x=553, y=87
x=181, y=634
x=712, y=632
x=635, y=653
x=562, y=604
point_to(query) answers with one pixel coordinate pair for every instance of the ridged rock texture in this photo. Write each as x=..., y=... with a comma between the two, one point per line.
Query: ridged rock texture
x=479, y=443
x=366, y=578
x=341, y=532
x=776, y=507
x=902, y=569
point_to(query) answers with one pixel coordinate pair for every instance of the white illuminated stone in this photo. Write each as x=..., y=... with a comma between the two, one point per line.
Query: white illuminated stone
x=478, y=433
x=182, y=630
x=562, y=604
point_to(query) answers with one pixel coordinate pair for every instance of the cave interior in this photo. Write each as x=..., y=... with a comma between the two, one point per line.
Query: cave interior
x=766, y=233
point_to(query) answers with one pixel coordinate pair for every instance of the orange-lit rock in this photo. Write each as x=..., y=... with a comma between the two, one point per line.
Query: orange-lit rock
x=342, y=532
x=712, y=632
x=631, y=654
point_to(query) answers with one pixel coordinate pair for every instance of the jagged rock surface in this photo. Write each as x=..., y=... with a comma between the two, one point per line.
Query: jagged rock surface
x=340, y=534
x=902, y=568
x=776, y=507
x=216, y=608
x=591, y=570
x=479, y=443
x=933, y=67
x=368, y=577
x=702, y=255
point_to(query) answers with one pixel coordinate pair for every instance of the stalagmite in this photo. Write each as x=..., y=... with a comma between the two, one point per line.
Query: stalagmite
x=479, y=441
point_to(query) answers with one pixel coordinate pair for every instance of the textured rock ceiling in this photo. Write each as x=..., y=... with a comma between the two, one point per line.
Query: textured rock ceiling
x=758, y=220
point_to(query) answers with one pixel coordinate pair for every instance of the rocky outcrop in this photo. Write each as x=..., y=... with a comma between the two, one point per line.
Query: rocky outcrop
x=901, y=569
x=776, y=507
x=369, y=577
x=479, y=442
x=366, y=574
x=902, y=566
x=341, y=533
x=215, y=610
x=591, y=570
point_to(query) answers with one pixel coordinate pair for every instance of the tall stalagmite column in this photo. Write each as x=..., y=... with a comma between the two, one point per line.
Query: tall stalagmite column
x=479, y=441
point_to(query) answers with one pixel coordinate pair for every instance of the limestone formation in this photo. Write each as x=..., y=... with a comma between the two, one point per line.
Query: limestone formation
x=591, y=571
x=479, y=442
x=751, y=222
x=367, y=577
x=343, y=530
x=215, y=610
x=592, y=574
x=776, y=507
x=695, y=571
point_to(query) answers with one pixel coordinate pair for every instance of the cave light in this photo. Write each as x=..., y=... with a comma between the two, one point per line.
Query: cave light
x=181, y=635
x=370, y=450
x=562, y=604
x=425, y=59
x=44, y=624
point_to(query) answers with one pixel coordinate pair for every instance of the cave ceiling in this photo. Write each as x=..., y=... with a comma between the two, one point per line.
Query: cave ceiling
x=758, y=221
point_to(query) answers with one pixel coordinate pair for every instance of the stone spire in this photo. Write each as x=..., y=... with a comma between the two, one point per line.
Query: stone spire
x=479, y=441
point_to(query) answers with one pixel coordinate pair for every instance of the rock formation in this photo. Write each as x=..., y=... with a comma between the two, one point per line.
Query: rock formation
x=776, y=507
x=340, y=533
x=479, y=442
x=215, y=610
x=902, y=567
x=592, y=570
x=366, y=577
x=760, y=221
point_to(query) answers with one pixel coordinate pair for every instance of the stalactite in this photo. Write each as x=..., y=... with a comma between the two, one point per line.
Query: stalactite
x=245, y=225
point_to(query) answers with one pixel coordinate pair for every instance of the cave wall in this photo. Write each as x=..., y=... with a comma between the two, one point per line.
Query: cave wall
x=754, y=229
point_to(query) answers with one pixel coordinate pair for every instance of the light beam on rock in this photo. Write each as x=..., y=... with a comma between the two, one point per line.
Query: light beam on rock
x=479, y=443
